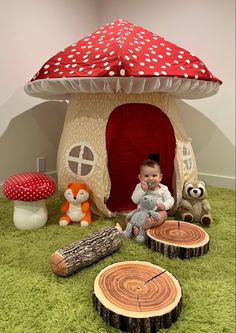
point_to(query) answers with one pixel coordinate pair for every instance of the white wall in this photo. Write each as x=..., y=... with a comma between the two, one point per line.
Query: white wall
x=206, y=28
x=30, y=33
x=33, y=31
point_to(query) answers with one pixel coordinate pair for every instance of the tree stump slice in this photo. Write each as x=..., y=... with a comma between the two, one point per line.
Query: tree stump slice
x=178, y=239
x=137, y=296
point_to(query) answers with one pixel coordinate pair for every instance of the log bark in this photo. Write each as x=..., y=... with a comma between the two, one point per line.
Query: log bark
x=137, y=296
x=85, y=252
x=178, y=239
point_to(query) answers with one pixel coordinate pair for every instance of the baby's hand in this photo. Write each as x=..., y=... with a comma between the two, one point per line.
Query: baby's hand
x=161, y=206
x=144, y=186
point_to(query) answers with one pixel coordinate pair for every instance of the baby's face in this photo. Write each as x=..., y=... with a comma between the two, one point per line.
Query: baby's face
x=149, y=174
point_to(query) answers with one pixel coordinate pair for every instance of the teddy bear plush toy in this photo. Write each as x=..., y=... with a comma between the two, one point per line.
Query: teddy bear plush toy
x=76, y=206
x=194, y=206
x=137, y=217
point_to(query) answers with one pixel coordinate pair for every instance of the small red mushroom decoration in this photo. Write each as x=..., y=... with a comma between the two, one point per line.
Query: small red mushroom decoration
x=29, y=191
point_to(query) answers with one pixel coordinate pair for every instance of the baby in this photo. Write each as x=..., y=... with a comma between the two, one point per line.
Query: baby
x=150, y=181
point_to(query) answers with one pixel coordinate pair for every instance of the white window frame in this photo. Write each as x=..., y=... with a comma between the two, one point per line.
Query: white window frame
x=80, y=160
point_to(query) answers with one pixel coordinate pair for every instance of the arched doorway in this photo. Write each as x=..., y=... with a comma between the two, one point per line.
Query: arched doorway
x=133, y=132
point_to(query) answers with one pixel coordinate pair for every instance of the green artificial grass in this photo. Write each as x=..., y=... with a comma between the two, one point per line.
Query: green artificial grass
x=33, y=299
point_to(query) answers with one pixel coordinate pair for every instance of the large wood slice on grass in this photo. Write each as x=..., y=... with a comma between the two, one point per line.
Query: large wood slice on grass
x=178, y=239
x=137, y=296
x=85, y=252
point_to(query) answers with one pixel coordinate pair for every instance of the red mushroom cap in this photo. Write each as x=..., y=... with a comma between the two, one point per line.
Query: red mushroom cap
x=115, y=58
x=29, y=186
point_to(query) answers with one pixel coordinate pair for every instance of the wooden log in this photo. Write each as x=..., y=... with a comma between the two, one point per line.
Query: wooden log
x=137, y=296
x=85, y=252
x=178, y=239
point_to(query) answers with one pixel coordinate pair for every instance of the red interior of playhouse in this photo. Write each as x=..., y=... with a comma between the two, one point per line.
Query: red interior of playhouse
x=134, y=131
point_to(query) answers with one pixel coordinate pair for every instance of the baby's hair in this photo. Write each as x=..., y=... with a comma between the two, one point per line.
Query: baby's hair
x=150, y=163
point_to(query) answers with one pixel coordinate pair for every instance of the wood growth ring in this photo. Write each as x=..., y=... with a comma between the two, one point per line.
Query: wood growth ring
x=178, y=239
x=137, y=296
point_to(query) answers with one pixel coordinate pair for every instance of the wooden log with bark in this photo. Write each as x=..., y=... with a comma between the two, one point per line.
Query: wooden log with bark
x=137, y=296
x=85, y=252
x=178, y=239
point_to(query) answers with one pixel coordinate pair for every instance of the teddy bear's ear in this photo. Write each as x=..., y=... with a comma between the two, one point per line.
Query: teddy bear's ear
x=202, y=182
x=69, y=185
x=186, y=183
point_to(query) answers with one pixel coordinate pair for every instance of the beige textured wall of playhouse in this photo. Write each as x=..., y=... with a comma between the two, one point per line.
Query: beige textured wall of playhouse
x=31, y=128
x=85, y=126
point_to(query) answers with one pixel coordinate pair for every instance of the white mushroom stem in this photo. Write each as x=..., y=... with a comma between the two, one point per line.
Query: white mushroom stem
x=30, y=215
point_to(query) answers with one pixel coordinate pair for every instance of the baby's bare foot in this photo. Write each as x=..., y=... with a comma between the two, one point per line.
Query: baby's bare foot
x=149, y=223
x=135, y=230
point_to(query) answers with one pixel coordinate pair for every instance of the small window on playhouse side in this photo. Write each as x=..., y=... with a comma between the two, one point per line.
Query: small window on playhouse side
x=80, y=160
x=187, y=158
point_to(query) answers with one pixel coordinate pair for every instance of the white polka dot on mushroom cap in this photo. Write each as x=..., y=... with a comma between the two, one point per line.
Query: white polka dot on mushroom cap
x=29, y=186
x=141, y=52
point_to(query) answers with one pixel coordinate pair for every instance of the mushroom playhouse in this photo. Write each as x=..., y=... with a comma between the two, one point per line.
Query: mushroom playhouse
x=122, y=82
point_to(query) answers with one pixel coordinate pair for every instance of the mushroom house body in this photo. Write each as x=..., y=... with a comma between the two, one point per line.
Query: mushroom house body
x=122, y=82
x=111, y=134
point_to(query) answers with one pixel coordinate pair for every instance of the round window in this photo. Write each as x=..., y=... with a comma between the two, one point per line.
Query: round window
x=80, y=159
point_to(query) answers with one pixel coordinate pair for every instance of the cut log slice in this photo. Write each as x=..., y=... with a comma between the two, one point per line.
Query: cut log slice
x=178, y=239
x=137, y=296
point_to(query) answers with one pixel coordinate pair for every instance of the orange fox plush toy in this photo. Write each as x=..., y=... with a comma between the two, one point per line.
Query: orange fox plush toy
x=76, y=206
